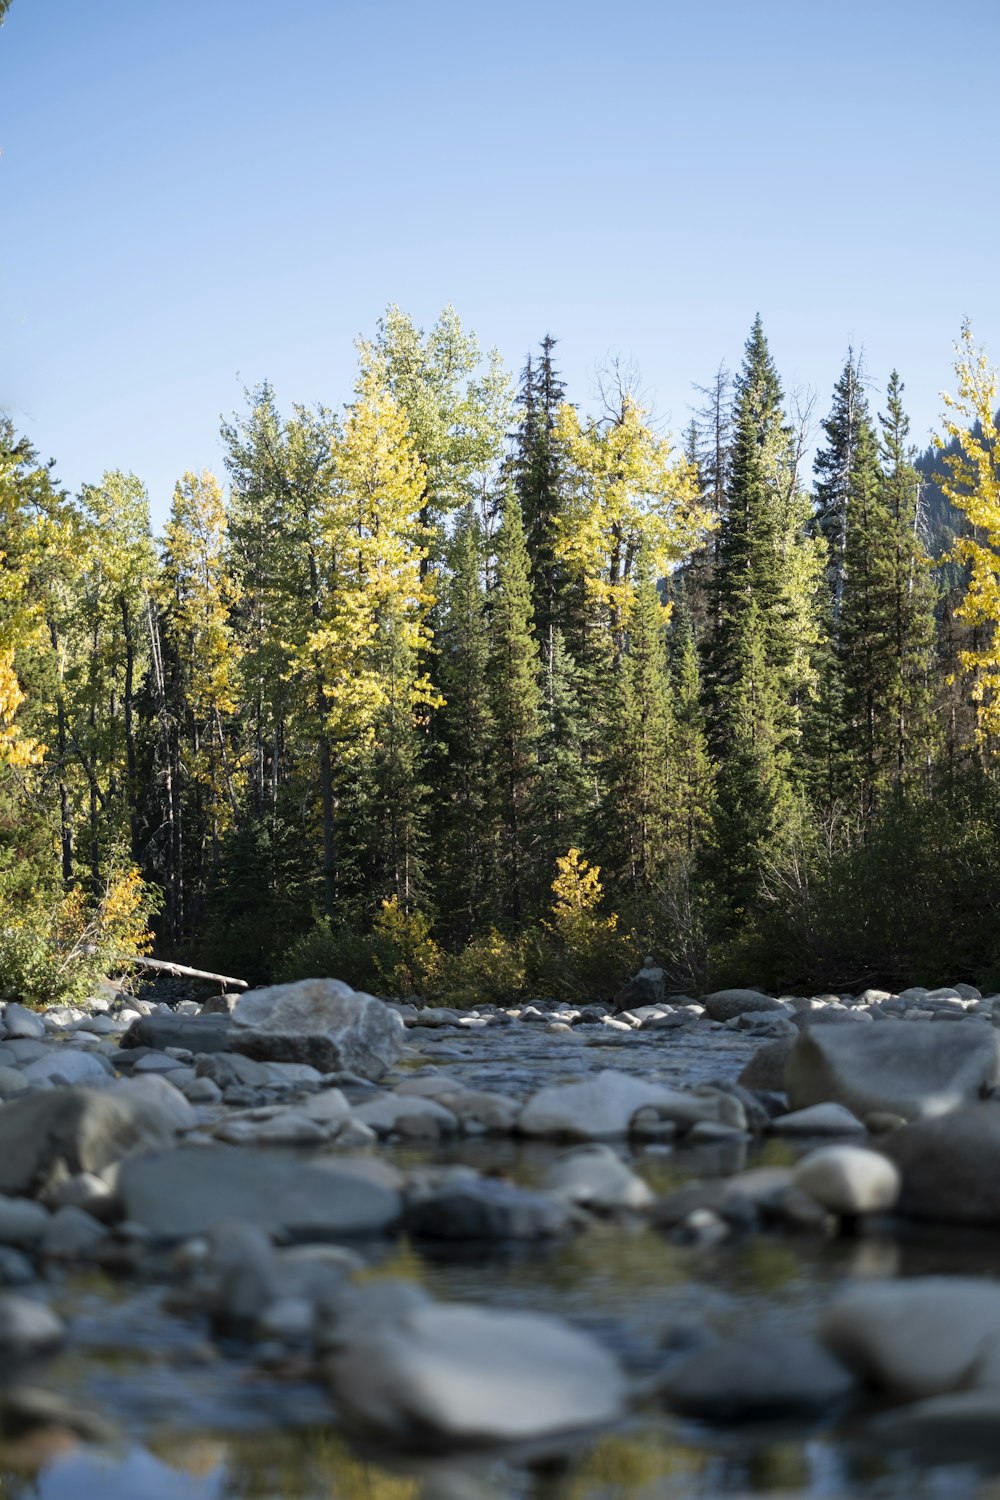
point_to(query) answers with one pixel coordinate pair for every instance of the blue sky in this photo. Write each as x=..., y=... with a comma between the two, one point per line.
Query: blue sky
x=205, y=193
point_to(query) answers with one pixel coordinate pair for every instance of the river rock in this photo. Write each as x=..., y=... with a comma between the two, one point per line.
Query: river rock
x=768, y=1376
x=726, y=1005
x=72, y=1234
x=954, y=1429
x=484, y=1208
x=848, y=1180
x=322, y=1022
x=18, y=1021
x=28, y=1329
x=391, y=1112
x=912, y=1070
x=61, y=1132
x=766, y=1069
x=67, y=1065
x=196, y=1034
x=594, y=1177
x=436, y=1374
x=480, y=1112
x=949, y=1166
x=603, y=1106
x=818, y=1119
x=188, y=1191
x=22, y=1222
x=917, y=1338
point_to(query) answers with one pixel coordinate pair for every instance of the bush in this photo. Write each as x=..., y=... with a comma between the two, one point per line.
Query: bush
x=491, y=969
x=330, y=952
x=59, y=947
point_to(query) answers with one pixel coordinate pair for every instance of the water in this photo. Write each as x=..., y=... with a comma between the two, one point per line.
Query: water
x=181, y=1417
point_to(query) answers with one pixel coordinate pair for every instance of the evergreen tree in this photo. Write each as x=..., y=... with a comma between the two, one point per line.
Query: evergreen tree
x=639, y=786
x=460, y=769
x=539, y=483
x=692, y=790
x=913, y=730
x=761, y=660
x=841, y=466
x=517, y=717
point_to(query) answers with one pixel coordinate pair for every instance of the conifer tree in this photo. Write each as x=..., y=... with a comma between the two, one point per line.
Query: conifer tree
x=517, y=714
x=460, y=769
x=693, y=775
x=841, y=466
x=639, y=786
x=539, y=483
x=914, y=733
x=762, y=671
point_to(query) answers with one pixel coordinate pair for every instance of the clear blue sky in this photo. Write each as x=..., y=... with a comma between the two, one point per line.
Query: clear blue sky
x=205, y=193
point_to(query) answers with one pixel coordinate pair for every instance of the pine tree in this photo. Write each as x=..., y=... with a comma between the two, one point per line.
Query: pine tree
x=761, y=660
x=913, y=731
x=539, y=483
x=460, y=770
x=517, y=717
x=692, y=791
x=841, y=466
x=639, y=787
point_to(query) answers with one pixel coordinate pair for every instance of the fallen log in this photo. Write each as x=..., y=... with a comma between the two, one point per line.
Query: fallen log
x=181, y=971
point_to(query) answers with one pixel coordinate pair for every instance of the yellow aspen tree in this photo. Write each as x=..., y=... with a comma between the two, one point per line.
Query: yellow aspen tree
x=629, y=493
x=369, y=644
x=972, y=483
x=373, y=544
x=21, y=618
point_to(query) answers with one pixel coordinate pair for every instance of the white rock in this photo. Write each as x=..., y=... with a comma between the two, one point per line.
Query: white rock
x=818, y=1119
x=65, y=1065
x=387, y=1113
x=458, y=1373
x=596, y=1178
x=849, y=1180
x=603, y=1106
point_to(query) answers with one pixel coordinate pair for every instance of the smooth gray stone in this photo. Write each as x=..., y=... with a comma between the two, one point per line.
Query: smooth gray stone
x=65, y=1131
x=771, y=1375
x=911, y=1069
x=949, y=1166
x=20, y=1022
x=435, y=1374
x=195, y=1033
x=724, y=1005
x=28, y=1329
x=190, y=1190
x=486, y=1209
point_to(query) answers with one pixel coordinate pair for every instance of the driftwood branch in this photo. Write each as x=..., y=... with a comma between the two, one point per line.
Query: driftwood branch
x=181, y=971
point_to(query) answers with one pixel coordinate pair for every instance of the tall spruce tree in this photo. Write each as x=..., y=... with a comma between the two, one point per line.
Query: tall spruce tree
x=761, y=667
x=914, y=723
x=840, y=468
x=517, y=717
x=539, y=483
x=460, y=768
x=639, y=784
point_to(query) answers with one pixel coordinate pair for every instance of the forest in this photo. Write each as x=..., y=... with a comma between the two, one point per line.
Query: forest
x=459, y=690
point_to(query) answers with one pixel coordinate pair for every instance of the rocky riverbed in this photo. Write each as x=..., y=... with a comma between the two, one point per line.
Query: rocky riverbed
x=327, y=1245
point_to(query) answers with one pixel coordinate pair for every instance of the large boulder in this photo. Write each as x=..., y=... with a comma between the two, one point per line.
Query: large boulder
x=47, y=1136
x=435, y=1374
x=725, y=1005
x=322, y=1022
x=912, y=1070
x=949, y=1166
x=918, y=1338
x=190, y=1190
x=647, y=987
